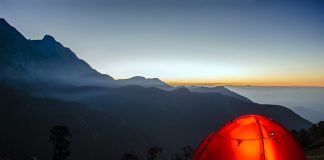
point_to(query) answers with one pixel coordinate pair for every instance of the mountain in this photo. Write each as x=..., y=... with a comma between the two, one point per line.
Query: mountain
x=48, y=61
x=218, y=89
x=42, y=60
x=25, y=123
x=145, y=82
x=43, y=83
x=178, y=117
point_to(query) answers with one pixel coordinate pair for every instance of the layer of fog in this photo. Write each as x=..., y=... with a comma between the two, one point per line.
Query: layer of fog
x=305, y=101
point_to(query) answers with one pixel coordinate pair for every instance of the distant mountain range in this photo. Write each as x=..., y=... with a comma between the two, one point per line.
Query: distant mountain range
x=44, y=83
x=47, y=60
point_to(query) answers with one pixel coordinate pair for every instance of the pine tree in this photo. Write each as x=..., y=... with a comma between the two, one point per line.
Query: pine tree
x=60, y=143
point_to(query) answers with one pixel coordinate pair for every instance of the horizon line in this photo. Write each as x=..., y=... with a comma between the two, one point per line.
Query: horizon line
x=211, y=84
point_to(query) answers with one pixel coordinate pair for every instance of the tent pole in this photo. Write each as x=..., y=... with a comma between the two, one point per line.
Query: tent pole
x=262, y=142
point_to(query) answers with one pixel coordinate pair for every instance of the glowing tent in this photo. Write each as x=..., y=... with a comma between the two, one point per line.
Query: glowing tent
x=250, y=137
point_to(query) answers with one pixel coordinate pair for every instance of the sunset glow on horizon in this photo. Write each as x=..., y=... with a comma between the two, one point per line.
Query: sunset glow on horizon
x=266, y=80
x=248, y=83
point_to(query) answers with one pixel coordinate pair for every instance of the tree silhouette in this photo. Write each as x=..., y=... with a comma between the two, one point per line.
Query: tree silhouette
x=153, y=152
x=177, y=156
x=310, y=138
x=187, y=152
x=59, y=141
x=130, y=156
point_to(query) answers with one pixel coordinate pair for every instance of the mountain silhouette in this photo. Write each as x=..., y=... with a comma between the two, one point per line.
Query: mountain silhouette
x=178, y=117
x=48, y=61
x=145, y=82
x=25, y=122
x=43, y=60
x=43, y=83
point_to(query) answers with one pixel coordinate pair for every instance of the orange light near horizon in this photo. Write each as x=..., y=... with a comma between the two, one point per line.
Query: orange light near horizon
x=260, y=80
x=245, y=83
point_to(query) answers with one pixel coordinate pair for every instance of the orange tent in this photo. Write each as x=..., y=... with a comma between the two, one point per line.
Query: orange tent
x=250, y=137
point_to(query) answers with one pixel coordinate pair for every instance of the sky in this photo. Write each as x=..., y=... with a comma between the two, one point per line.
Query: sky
x=184, y=42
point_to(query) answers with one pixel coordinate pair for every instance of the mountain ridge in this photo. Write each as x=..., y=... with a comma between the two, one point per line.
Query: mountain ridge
x=60, y=64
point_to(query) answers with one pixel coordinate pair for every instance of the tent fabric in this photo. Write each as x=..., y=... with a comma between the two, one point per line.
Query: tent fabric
x=250, y=137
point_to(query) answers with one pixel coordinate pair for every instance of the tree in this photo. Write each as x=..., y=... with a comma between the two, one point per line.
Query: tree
x=60, y=143
x=187, y=152
x=130, y=156
x=177, y=156
x=153, y=152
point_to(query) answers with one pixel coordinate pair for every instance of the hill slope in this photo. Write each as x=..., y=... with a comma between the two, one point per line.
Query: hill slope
x=26, y=122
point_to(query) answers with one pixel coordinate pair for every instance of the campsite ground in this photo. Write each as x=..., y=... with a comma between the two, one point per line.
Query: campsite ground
x=316, y=157
x=316, y=154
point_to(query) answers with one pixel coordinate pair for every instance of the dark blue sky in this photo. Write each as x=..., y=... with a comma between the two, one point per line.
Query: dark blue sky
x=273, y=42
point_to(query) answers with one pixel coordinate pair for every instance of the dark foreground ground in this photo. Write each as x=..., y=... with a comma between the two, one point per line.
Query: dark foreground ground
x=312, y=140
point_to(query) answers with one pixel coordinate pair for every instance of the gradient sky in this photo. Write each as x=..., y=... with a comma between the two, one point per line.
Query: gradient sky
x=238, y=42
